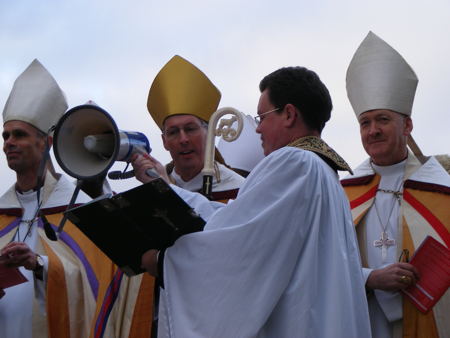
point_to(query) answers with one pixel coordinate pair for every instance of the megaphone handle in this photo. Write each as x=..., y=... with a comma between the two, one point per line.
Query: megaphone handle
x=152, y=173
x=71, y=203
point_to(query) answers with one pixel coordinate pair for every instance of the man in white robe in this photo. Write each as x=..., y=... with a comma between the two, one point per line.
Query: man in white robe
x=282, y=259
x=181, y=100
x=392, y=192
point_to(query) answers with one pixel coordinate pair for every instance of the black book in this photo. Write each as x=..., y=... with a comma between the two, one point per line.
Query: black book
x=126, y=225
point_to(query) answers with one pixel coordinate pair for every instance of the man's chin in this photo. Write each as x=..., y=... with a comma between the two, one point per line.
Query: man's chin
x=185, y=161
x=266, y=149
x=379, y=157
x=377, y=151
x=13, y=165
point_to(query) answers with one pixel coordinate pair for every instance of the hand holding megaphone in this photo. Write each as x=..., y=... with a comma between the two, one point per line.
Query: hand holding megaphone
x=147, y=168
x=119, y=175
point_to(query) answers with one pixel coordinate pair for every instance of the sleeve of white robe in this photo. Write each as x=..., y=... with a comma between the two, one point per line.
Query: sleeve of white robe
x=272, y=256
x=204, y=207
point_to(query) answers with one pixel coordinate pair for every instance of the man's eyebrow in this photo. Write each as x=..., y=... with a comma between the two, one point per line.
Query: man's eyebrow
x=189, y=124
x=17, y=132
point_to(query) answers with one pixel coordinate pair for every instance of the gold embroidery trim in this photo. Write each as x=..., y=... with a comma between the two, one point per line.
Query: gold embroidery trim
x=317, y=145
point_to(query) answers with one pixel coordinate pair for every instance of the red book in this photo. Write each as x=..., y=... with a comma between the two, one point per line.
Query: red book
x=10, y=276
x=432, y=260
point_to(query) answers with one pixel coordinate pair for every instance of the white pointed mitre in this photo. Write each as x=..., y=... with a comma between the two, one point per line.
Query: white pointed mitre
x=379, y=78
x=246, y=152
x=35, y=98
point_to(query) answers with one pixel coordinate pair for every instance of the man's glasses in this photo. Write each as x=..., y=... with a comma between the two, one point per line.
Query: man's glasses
x=258, y=118
x=189, y=129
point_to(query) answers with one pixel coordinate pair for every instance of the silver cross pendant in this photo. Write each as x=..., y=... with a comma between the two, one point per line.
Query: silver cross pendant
x=384, y=242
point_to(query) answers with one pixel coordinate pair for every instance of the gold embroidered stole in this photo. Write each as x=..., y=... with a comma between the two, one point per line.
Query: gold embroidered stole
x=318, y=146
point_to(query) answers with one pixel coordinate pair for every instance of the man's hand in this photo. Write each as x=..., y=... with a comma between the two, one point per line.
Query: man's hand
x=17, y=254
x=394, y=277
x=149, y=262
x=141, y=163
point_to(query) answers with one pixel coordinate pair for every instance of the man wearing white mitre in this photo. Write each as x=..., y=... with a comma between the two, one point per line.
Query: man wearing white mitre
x=396, y=199
x=65, y=278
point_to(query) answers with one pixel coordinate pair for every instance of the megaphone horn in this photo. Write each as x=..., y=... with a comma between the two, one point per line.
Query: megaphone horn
x=87, y=142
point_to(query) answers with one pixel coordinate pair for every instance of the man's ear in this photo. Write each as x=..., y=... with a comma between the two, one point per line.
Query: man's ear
x=292, y=114
x=163, y=138
x=42, y=140
x=408, y=126
x=50, y=141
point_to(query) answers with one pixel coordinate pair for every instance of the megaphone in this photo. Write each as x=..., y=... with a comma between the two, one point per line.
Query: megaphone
x=87, y=142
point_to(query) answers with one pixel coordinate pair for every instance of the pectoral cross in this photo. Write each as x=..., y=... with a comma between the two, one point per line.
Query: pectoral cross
x=384, y=242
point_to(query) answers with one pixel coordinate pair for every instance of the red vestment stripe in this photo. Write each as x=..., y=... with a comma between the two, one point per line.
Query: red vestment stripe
x=433, y=220
x=363, y=198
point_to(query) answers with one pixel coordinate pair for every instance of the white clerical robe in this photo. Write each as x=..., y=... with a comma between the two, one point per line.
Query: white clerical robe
x=24, y=306
x=16, y=307
x=385, y=308
x=424, y=212
x=280, y=261
x=224, y=179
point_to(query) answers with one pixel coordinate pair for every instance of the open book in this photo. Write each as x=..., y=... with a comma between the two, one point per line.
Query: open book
x=432, y=259
x=124, y=226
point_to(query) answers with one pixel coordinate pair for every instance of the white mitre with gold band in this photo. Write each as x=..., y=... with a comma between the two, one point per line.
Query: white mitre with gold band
x=35, y=98
x=379, y=78
x=180, y=88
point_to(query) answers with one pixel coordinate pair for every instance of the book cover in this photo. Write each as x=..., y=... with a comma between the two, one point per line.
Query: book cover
x=432, y=260
x=10, y=276
x=126, y=225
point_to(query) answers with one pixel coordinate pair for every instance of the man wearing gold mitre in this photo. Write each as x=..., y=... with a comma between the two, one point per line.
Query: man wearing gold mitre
x=397, y=200
x=181, y=101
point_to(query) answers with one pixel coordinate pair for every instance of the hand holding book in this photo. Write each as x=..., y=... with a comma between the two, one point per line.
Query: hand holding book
x=432, y=260
x=9, y=276
x=126, y=225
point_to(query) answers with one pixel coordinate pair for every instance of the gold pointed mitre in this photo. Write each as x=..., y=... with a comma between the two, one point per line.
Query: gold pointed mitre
x=378, y=77
x=180, y=88
x=35, y=98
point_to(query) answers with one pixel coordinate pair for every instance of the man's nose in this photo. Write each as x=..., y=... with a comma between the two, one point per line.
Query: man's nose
x=258, y=131
x=8, y=143
x=183, y=136
x=373, y=129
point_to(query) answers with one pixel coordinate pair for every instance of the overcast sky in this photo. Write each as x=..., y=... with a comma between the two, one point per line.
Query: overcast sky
x=110, y=52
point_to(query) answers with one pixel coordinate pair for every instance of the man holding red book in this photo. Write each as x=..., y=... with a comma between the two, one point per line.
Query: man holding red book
x=397, y=199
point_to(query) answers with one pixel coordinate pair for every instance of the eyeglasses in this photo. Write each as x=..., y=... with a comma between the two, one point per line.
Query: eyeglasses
x=189, y=129
x=258, y=118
